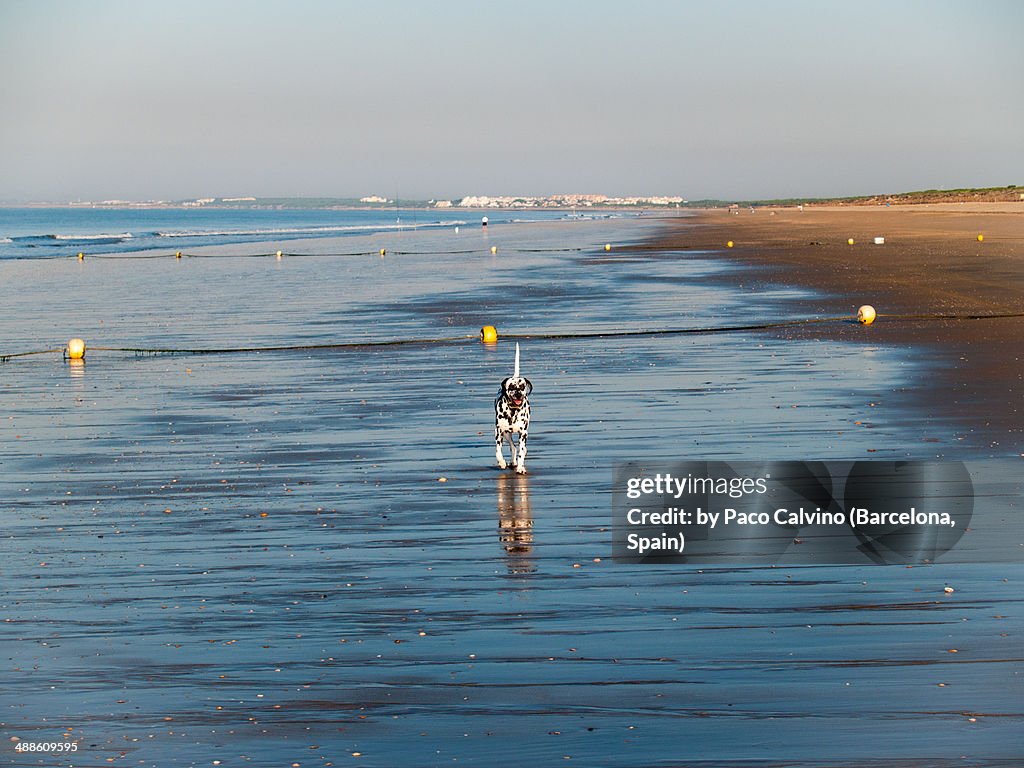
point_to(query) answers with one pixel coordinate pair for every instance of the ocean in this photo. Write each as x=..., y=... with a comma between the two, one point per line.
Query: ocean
x=306, y=555
x=43, y=232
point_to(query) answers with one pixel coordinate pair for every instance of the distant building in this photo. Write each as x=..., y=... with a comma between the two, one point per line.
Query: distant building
x=562, y=201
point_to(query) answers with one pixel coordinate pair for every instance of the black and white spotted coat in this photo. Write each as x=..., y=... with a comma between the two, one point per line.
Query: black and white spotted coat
x=512, y=416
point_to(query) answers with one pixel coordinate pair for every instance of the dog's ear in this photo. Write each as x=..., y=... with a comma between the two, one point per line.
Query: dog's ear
x=504, y=383
x=529, y=386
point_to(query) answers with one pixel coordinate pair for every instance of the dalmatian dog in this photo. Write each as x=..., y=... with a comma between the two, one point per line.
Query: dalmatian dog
x=512, y=415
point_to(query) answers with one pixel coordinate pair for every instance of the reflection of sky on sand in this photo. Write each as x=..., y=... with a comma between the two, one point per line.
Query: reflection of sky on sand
x=139, y=566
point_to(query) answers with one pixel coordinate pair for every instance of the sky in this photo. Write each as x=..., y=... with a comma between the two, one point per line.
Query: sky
x=327, y=98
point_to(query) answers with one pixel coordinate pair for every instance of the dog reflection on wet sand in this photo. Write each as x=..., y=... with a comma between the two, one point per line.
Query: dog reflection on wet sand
x=515, y=522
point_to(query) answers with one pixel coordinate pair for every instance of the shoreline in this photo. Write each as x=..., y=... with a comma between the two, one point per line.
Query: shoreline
x=931, y=263
x=314, y=539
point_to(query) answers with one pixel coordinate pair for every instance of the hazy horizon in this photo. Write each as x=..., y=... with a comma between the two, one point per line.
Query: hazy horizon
x=141, y=101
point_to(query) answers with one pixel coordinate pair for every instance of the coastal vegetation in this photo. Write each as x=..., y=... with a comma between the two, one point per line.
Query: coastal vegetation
x=1009, y=193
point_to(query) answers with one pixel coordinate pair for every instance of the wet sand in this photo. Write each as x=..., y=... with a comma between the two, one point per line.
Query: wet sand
x=253, y=559
x=930, y=264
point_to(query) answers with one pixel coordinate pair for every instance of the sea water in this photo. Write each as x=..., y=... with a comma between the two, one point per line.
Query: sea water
x=308, y=556
x=38, y=232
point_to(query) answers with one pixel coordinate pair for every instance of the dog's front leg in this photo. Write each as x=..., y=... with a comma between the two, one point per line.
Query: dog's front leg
x=498, y=449
x=520, y=455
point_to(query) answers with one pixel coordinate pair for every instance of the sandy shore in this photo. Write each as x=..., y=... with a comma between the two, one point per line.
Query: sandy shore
x=931, y=263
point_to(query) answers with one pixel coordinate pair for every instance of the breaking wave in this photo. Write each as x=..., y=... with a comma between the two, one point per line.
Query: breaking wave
x=312, y=231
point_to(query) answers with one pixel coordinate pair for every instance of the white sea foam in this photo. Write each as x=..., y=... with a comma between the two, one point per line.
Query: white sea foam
x=307, y=230
x=120, y=236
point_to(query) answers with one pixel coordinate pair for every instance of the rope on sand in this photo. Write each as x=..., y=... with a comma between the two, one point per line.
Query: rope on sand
x=456, y=340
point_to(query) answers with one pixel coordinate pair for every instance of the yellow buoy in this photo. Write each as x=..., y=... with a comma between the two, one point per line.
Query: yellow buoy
x=607, y=246
x=383, y=252
x=850, y=241
x=177, y=255
x=81, y=256
x=729, y=244
x=866, y=315
x=488, y=334
x=981, y=238
x=494, y=249
x=279, y=255
x=76, y=349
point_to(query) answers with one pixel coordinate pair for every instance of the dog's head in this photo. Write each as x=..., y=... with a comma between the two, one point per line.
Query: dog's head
x=516, y=389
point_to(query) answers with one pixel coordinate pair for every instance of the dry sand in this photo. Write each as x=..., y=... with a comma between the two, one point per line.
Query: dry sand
x=931, y=263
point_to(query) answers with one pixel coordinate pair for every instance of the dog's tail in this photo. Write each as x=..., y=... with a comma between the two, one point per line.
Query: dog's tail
x=516, y=374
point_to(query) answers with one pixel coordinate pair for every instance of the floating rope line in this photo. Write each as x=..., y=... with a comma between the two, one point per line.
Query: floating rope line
x=675, y=331
x=442, y=253
x=228, y=256
x=289, y=347
x=183, y=255
x=139, y=256
x=548, y=250
x=455, y=340
x=5, y=358
x=289, y=254
x=1001, y=316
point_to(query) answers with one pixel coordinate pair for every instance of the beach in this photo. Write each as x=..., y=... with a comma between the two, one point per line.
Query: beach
x=931, y=264
x=274, y=284
x=307, y=556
